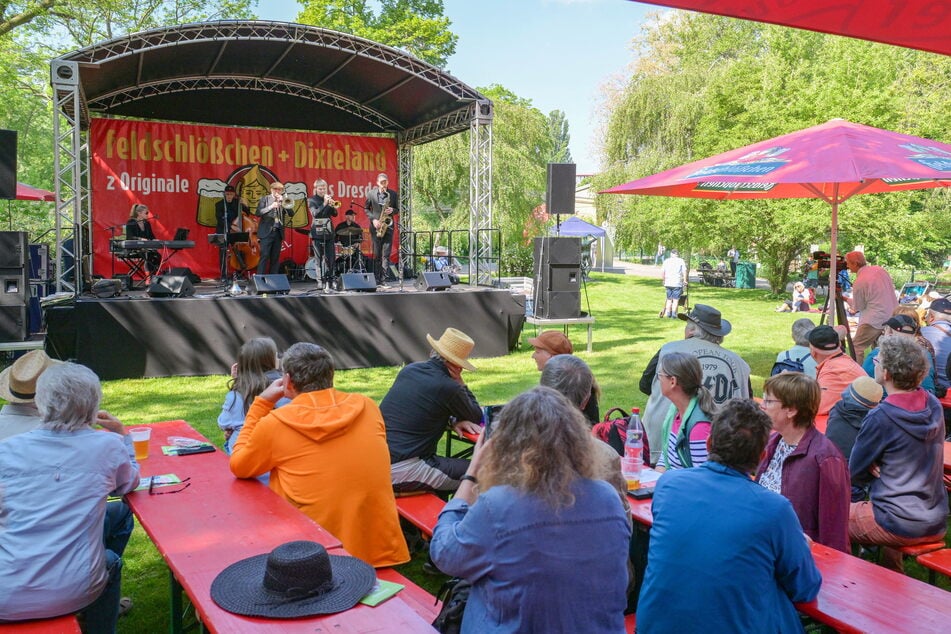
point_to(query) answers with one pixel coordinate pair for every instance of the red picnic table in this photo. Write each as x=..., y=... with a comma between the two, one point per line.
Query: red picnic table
x=857, y=595
x=219, y=519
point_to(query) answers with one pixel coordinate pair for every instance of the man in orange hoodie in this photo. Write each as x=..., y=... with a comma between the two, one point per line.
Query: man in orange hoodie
x=327, y=455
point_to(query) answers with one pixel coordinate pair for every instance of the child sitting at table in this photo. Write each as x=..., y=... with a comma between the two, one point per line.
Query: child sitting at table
x=257, y=367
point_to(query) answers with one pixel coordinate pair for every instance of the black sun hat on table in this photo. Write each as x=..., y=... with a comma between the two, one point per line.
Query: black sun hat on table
x=294, y=580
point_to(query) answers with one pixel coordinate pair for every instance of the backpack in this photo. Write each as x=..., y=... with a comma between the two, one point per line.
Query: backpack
x=812, y=296
x=454, y=594
x=613, y=431
x=788, y=365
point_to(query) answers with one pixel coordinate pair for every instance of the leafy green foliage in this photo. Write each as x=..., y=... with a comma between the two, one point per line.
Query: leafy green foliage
x=415, y=26
x=706, y=84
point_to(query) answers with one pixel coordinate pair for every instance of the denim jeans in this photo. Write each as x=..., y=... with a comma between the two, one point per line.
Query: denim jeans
x=100, y=616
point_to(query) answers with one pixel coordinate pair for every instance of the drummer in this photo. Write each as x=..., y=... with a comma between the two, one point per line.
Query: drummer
x=349, y=235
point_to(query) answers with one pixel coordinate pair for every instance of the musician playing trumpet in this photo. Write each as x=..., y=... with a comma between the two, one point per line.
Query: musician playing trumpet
x=322, y=208
x=381, y=207
x=272, y=209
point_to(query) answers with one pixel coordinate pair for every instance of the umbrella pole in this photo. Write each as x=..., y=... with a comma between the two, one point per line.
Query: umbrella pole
x=833, y=246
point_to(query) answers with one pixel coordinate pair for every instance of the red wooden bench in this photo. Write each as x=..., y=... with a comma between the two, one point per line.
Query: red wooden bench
x=66, y=624
x=937, y=561
x=423, y=603
x=421, y=510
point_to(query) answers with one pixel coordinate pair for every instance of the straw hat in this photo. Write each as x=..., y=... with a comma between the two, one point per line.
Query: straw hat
x=455, y=346
x=294, y=580
x=18, y=382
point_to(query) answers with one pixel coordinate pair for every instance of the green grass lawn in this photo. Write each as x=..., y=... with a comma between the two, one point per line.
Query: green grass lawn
x=627, y=333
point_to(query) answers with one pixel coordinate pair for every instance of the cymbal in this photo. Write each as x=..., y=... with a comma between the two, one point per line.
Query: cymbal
x=349, y=231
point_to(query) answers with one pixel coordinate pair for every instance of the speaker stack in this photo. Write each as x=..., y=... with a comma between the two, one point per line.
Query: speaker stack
x=557, y=289
x=14, y=286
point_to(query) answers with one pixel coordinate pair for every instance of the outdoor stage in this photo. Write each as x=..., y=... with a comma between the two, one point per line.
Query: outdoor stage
x=135, y=335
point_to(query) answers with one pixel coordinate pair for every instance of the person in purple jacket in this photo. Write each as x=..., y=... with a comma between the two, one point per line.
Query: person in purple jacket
x=803, y=465
x=900, y=451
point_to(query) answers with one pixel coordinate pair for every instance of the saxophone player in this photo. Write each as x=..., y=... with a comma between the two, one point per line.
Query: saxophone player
x=271, y=210
x=381, y=207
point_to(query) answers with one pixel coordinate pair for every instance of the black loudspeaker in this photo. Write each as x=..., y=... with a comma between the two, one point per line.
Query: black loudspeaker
x=107, y=288
x=8, y=164
x=14, y=250
x=276, y=283
x=557, y=281
x=171, y=286
x=13, y=323
x=358, y=282
x=433, y=281
x=14, y=287
x=185, y=271
x=560, y=196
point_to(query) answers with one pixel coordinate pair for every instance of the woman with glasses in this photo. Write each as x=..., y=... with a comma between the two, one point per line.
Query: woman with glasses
x=899, y=452
x=803, y=465
x=687, y=425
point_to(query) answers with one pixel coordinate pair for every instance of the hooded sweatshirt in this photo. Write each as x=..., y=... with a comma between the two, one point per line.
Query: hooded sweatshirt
x=845, y=421
x=327, y=455
x=904, y=436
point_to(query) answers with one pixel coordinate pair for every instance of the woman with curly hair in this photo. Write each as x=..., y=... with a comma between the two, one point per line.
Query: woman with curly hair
x=899, y=451
x=530, y=526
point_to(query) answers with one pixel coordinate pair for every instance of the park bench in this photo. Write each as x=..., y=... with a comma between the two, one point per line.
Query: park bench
x=936, y=561
x=420, y=509
x=67, y=624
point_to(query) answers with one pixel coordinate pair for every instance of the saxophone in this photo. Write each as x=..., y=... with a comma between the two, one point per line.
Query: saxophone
x=386, y=218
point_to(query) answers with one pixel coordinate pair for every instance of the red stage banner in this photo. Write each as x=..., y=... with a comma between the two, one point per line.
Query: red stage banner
x=180, y=171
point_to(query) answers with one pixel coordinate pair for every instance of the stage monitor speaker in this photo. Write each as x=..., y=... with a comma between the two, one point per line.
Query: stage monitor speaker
x=13, y=323
x=14, y=287
x=8, y=164
x=104, y=289
x=358, y=282
x=433, y=281
x=276, y=283
x=14, y=250
x=558, y=305
x=560, y=196
x=187, y=272
x=171, y=286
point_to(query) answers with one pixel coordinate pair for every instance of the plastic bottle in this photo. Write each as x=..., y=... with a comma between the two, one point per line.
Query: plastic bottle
x=633, y=460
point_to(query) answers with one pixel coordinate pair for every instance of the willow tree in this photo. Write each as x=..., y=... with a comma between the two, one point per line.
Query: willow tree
x=706, y=84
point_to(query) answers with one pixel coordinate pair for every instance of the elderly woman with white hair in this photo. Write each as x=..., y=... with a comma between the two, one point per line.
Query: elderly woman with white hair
x=61, y=543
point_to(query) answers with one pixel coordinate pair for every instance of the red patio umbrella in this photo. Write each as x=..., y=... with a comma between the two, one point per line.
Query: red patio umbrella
x=833, y=161
x=28, y=192
x=922, y=24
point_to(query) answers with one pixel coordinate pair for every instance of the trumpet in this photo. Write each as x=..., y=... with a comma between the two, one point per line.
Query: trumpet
x=333, y=203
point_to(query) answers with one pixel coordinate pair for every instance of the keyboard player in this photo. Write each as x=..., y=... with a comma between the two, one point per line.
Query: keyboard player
x=139, y=228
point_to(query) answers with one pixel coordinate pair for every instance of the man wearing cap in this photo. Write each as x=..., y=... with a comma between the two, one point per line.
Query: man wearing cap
x=551, y=343
x=675, y=278
x=18, y=389
x=271, y=228
x=382, y=205
x=229, y=213
x=725, y=373
x=326, y=454
x=873, y=296
x=938, y=332
x=426, y=397
x=908, y=327
x=835, y=370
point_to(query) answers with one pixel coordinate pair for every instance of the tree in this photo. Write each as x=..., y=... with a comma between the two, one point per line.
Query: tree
x=558, y=128
x=522, y=147
x=706, y=84
x=415, y=26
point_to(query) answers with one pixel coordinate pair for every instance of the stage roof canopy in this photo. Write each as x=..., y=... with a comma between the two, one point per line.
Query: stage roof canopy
x=270, y=74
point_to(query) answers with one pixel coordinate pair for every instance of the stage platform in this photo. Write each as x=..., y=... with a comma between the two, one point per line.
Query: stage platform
x=135, y=335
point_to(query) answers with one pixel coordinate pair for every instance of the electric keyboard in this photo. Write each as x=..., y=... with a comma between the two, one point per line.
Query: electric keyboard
x=175, y=245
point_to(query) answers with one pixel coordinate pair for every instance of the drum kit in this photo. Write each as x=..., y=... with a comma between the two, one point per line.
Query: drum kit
x=347, y=255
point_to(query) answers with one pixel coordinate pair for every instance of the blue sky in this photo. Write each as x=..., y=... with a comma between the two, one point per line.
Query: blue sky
x=557, y=53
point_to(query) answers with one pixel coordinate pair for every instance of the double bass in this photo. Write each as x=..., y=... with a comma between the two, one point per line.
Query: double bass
x=245, y=256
